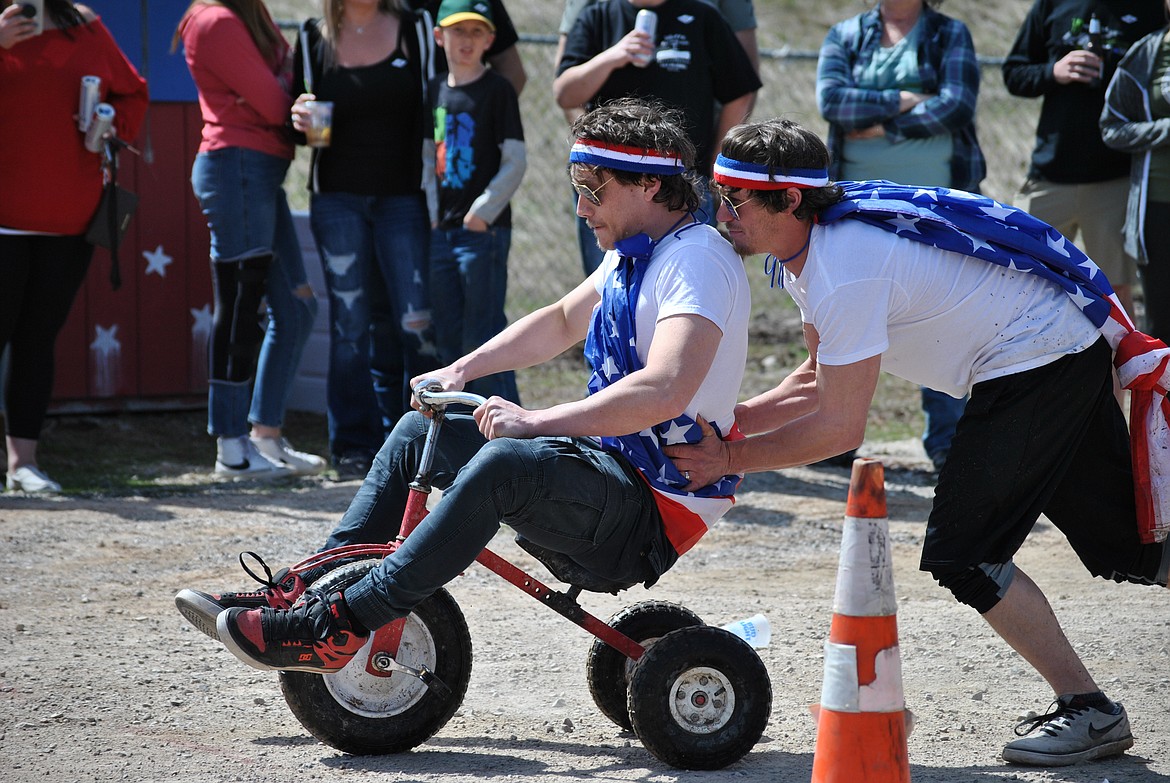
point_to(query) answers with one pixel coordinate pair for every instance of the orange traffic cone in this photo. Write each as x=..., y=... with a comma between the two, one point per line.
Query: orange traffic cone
x=861, y=727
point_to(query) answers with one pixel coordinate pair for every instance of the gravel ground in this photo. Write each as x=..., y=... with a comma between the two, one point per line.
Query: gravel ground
x=102, y=680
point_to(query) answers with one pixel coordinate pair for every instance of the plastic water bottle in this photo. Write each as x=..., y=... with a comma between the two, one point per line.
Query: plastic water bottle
x=755, y=630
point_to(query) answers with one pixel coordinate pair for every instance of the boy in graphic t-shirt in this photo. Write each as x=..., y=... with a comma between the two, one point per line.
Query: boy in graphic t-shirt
x=472, y=164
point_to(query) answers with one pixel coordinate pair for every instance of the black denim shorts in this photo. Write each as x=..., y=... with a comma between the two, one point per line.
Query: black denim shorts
x=1049, y=441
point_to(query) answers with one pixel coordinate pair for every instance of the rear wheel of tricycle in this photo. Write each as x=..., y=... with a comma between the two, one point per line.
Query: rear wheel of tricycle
x=700, y=698
x=609, y=671
x=359, y=713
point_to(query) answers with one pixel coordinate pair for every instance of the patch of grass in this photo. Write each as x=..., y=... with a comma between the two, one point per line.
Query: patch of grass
x=148, y=453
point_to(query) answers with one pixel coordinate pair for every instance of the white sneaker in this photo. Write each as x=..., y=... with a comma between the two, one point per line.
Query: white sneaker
x=1068, y=735
x=281, y=452
x=239, y=458
x=30, y=478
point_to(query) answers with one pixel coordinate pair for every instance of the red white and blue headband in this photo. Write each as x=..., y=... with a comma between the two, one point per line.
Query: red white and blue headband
x=755, y=176
x=616, y=156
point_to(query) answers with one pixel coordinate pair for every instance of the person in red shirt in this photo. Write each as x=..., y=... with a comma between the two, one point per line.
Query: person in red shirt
x=242, y=68
x=50, y=186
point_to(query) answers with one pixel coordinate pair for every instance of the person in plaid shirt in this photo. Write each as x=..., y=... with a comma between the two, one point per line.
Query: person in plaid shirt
x=898, y=85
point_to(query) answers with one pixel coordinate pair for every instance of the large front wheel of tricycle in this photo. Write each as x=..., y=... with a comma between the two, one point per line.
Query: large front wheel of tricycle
x=700, y=698
x=357, y=712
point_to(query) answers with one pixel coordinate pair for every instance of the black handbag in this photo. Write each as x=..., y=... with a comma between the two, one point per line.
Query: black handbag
x=109, y=222
x=112, y=218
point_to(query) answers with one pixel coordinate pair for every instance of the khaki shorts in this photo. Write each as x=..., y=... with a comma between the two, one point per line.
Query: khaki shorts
x=1090, y=214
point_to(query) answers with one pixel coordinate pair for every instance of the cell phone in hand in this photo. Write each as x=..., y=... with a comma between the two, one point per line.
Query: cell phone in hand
x=35, y=10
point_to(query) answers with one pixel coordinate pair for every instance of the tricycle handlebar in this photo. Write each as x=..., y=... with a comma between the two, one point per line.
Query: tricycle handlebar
x=436, y=398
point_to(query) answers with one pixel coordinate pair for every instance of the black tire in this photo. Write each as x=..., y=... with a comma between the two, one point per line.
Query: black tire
x=357, y=713
x=609, y=671
x=700, y=698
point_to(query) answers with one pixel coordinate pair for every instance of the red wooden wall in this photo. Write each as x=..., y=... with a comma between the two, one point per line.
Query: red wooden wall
x=144, y=345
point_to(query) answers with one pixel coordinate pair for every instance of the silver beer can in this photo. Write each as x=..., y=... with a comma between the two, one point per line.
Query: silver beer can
x=103, y=120
x=91, y=89
x=647, y=22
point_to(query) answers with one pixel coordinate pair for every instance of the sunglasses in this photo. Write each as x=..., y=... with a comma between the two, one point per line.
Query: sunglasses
x=589, y=194
x=732, y=207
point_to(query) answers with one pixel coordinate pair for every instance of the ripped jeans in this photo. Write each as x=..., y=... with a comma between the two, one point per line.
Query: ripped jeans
x=375, y=255
x=241, y=193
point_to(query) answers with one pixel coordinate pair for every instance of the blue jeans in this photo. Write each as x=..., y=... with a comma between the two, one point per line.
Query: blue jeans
x=374, y=253
x=241, y=192
x=942, y=414
x=469, y=283
x=562, y=493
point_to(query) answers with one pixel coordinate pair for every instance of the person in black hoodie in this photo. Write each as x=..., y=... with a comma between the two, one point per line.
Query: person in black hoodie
x=1076, y=183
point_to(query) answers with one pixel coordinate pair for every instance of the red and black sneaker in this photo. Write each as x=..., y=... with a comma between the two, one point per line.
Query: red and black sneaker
x=279, y=592
x=317, y=635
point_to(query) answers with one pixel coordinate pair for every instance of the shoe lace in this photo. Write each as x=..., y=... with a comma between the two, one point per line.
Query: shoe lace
x=268, y=580
x=1058, y=719
x=310, y=621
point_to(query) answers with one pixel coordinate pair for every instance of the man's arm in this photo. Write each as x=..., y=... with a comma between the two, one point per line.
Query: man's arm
x=537, y=337
x=816, y=412
x=577, y=85
x=731, y=114
x=509, y=65
x=1027, y=72
x=793, y=397
x=751, y=47
x=571, y=112
x=679, y=359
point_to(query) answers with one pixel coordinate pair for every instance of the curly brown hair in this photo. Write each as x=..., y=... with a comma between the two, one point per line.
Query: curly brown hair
x=646, y=125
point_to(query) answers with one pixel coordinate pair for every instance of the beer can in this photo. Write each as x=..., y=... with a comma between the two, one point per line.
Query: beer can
x=103, y=119
x=91, y=88
x=647, y=22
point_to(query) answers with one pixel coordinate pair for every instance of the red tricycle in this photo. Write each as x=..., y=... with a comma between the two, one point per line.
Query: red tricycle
x=697, y=696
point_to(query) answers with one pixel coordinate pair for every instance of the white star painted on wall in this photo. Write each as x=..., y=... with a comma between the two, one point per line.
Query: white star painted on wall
x=202, y=322
x=157, y=261
x=106, y=340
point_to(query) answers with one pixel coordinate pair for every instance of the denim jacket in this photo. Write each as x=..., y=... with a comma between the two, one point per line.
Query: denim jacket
x=1127, y=125
x=949, y=72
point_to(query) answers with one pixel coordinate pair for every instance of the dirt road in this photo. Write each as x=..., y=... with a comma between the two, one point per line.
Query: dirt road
x=102, y=680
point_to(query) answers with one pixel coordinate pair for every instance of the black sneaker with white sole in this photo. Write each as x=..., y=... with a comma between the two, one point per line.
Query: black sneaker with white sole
x=278, y=592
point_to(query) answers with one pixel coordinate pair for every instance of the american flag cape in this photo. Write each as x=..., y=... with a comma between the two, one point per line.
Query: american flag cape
x=983, y=228
x=610, y=351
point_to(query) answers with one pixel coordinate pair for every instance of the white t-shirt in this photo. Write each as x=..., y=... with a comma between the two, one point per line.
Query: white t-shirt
x=696, y=272
x=939, y=319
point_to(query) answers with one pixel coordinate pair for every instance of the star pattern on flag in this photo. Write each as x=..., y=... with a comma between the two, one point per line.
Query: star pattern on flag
x=902, y=223
x=611, y=351
x=676, y=433
x=157, y=261
x=609, y=368
x=979, y=226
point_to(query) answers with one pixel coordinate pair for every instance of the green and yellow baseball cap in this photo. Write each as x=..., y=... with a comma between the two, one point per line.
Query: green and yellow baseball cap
x=455, y=11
